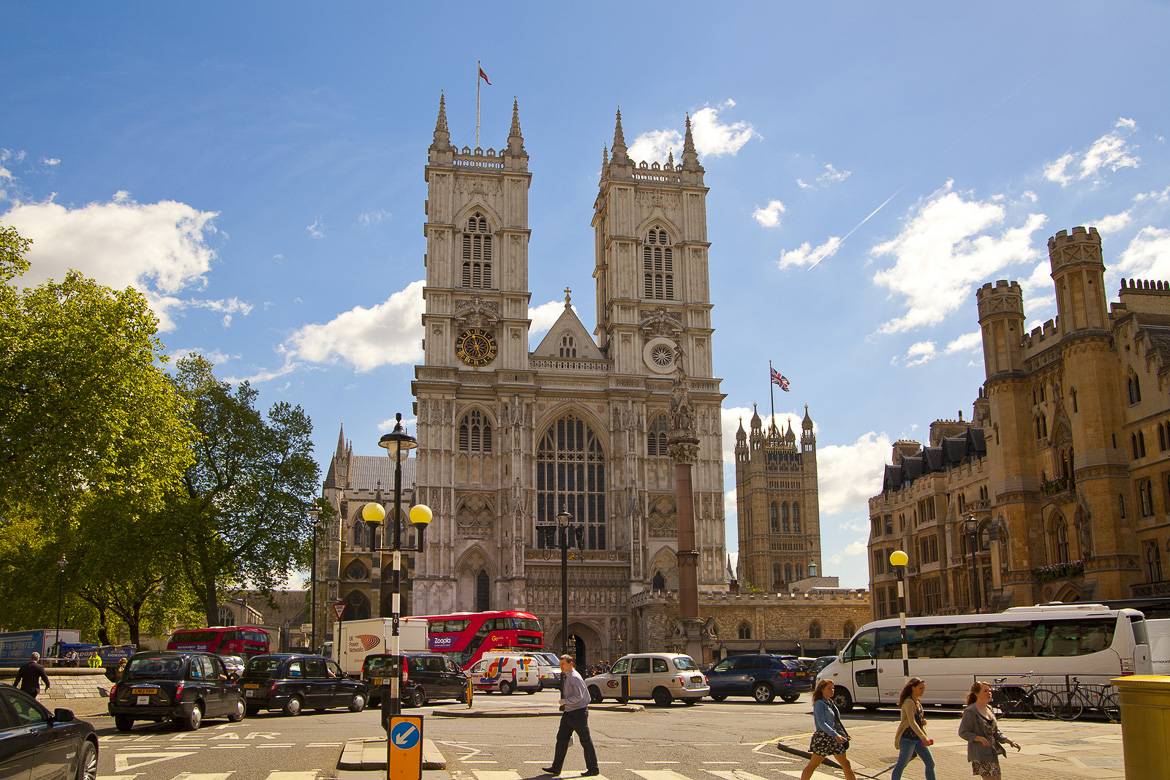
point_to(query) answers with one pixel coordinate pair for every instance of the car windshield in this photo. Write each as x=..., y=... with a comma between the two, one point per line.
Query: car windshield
x=376, y=664
x=262, y=666
x=684, y=663
x=162, y=667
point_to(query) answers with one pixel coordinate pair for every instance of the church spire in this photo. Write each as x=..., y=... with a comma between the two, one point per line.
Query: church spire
x=442, y=139
x=619, y=141
x=341, y=442
x=690, y=158
x=515, y=137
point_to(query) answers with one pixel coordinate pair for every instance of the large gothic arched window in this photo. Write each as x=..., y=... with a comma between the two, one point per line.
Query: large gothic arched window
x=784, y=516
x=475, y=433
x=477, y=253
x=656, y=437
x=795, y=517
x=657, y=266
x=483, y=592
x=774, y=517
x=1060, y=541
x=226, y=616
x=357, y=606
x=570, y=475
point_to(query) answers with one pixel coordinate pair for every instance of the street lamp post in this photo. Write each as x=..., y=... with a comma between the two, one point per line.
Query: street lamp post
x=395, y=443
x=61, y=564
x=314, y=515
x=898, y=560
x=563, y=520
x=971, y=527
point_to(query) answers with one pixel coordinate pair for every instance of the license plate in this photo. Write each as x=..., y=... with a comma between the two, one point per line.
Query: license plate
x=249, y=693
x=379, y=681
x=143, y=701
x=252, y=686
x=146, y=691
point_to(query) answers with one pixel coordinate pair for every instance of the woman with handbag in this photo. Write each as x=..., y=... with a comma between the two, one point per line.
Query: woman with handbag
x=910, y=738
x=981, y=731
x=830, y=737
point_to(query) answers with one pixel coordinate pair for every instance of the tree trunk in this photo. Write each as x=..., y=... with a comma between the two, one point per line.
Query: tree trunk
x=103, y=626
x=210, y=601
x=134, y=624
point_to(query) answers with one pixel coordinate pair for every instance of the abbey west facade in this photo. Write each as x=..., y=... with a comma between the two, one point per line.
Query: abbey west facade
x=508, y=437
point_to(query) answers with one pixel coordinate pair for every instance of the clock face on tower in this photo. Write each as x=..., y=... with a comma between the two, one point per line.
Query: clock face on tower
x=476, y=347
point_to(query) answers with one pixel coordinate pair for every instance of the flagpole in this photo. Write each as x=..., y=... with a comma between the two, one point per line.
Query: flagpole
x=477, y=70
x=772, y=392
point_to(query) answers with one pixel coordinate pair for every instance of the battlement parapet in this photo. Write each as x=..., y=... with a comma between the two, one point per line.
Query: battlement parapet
x=713, y=598
x=1077, y=246
x=1003, y=297
x=1041, y=334
x=1144, y=287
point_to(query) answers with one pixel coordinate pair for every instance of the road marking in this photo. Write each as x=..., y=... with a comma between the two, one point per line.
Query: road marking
x=733, y=774
x=323, y=744
x=659, y=774
x=116, y=777
x=202, y=776
x=736, y=762
x=817, y=775
x=275, y=745
x=310, y=775
x=663, y=762
x=230, y=747
x=485, y=761
x=263, y=735
x=123, y=761
x=485, y=774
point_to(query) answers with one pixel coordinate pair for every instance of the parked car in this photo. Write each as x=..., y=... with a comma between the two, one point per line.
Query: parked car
x=551, y=678
x=180, y=686
x=234, y=663
x=292, y=683
x=662, y=677
x=429, y=676
x=821, y=663
x=35, y=742
x=505, y=672
x=761, y=676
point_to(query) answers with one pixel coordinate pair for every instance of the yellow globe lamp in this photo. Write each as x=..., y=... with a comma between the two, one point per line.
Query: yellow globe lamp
x=374, y=513
x=421, y=515
x=899, y=558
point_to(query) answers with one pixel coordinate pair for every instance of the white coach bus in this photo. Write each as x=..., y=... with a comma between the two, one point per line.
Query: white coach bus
x=1040, y=644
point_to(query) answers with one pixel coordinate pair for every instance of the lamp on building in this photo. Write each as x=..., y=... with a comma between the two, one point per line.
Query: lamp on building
x=971, y=529
x=395, y=443
x=899, y=560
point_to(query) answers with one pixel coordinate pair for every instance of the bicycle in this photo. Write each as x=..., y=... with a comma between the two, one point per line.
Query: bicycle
x=1016, y=699
x=1072, y=702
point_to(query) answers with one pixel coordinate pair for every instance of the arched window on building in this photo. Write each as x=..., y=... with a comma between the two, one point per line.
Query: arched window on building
x=483, y=592
x=360, y=534
x=788, y=572
x=357, y=606
x=1133, y=386
x=745, y=630
x=356, y=570
x=568, y=348
x=774, y=517
x=849, y=630
x=1060, y=541
x=814, y=630
x=1142, y=444
x=656, y=437
x=657, y=266
x=475, y=433
x=570, y=475
x=784, y=517
x=477, y=253
x=658, y=583
x=795, y=517
x=1153, y=562
x=226, y=617
x=776, y=581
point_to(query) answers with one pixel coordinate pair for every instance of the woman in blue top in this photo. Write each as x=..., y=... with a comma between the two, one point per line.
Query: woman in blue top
x=830, y=737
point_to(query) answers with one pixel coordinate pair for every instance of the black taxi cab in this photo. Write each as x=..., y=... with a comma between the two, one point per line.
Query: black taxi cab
x=291, y=683
x=177, y=686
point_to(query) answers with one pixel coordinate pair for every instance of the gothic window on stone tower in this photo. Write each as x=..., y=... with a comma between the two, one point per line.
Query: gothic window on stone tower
x=360, y=534
x=658, y=583
x=849, y=629
x=745, y=630
x=774, y=517
x=788, y=572
x=475, y=433
x=483, y=592
x=814, y=630
x=1153, y=562
x=657, y=266
x=784, y=517
x=656, y=437
x=357, y=606
x=356, y=570
x=477, y=253
x=776, y=578
x=570, y=475
x=1060, y=541
x=795, y=518
x=227, y=617
x=568, y=346
x=1133, y=386
x=1146, y=498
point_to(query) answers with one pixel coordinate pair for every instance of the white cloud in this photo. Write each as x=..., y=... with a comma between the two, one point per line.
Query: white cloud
x=317, y=229
x=944, y=249
x=225, y=306
x=1158, y=196
x=1112, y=152
x=1113, y=222
x=850, y=473
x=372, y=217
x=854, y=549
x=1030, y=196
x=1147, y=256
x=831, y=175
x=52, y=162
x=159, y=248
x=769, y=216
x=730, y=507
x=806, y=254
x=804, y=185
x=5, y=173
x=713, y=137
x=968, y=342
x=214, y=356
x=387, y=425
x=544, y=315
x=918, y=354
x=388, y=333
x=1039, y=294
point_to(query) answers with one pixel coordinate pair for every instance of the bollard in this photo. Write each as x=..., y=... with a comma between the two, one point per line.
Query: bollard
x=1145, y=725
x=470, y=692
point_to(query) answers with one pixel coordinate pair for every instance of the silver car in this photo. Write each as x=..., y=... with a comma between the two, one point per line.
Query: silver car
x=662, y=677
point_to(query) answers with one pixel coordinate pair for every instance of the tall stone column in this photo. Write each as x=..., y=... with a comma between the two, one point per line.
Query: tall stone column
x=683, y=446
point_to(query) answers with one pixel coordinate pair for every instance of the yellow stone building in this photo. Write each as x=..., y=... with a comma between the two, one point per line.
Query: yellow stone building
x=1071, y=492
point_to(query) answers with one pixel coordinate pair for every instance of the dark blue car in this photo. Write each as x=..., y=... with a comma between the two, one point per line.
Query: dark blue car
x=763, y=677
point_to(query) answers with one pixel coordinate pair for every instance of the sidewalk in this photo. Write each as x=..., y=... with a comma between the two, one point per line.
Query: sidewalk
x=364, y=754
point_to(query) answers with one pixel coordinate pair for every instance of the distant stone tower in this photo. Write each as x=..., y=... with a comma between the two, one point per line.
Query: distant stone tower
x=778, y=505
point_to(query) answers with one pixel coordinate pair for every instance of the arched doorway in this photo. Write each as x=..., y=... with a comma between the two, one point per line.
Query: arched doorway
x=584, y=645
x=357, y=606
x=580, y=650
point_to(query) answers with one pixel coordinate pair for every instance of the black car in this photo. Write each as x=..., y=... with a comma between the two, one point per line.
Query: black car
x=180, y=686
x=429, y=676
x=35, y=742
x=292, y=682
x=763, y=677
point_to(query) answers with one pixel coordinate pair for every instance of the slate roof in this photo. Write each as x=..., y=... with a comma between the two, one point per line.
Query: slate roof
x=952, y=451
x=366, y=470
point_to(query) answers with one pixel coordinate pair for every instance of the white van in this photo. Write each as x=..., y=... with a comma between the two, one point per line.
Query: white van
x=1159, y=634
x=505, y=672
x=359, y=638
x=1040, y=644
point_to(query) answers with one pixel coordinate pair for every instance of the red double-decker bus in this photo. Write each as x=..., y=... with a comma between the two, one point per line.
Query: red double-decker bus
x=244, y=641
x=468, y=635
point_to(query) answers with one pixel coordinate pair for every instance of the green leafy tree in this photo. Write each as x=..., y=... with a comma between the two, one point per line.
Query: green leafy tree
x=242, y=516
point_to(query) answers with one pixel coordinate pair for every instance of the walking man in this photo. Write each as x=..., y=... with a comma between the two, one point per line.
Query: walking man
x=574, y=717
x=29, y=676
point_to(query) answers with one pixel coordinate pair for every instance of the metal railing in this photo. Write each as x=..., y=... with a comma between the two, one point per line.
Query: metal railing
x=1054, y=697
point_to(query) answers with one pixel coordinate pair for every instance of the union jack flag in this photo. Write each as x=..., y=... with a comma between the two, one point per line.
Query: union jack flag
x=779, y=379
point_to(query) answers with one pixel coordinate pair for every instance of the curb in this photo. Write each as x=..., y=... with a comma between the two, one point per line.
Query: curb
x=357, y=755
x=531, y=713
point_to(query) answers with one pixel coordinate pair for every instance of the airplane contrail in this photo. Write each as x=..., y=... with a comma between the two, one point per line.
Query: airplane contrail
x=856, y=227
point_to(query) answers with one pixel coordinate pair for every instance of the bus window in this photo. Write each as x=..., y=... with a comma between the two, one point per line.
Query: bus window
x=861, y=648
x=1073, y=637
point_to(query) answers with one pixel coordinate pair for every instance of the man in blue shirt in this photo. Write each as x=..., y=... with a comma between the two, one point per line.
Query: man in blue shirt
x=574, y=717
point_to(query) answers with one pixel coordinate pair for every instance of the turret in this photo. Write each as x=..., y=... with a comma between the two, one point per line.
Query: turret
x=1078, y=272
x=618, y=151
x=808, y=439
x=690, y=157
x=515, y=137
x=1001, y=318
x=440, y=150
x=741, y=447
x=757, y=428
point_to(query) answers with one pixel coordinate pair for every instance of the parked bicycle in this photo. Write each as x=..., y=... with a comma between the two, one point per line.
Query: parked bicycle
x=1017, y=699
x=1071, y=702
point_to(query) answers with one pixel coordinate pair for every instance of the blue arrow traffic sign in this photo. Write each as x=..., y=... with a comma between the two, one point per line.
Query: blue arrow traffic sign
x=404, y=736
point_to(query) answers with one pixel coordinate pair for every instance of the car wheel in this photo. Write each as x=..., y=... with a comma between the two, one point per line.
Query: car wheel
x=595, y=694
x=719, y=696
x=506, y=688
x=192, y=721
x=123, y=722
x=419, y=698
x=843, y=700
x=87, y=762
x=662, y=697
x=293, y=706
x=791, y=697
x=357, y=703
x=239, y=713
x=763, y=693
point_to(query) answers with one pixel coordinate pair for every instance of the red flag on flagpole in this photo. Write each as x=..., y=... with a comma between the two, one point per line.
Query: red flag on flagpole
x=484, y=76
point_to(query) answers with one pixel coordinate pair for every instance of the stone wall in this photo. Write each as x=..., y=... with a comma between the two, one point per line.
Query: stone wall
x=68, y=683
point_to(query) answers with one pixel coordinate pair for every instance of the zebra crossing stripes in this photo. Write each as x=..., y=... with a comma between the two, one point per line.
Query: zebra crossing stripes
x=274, y=775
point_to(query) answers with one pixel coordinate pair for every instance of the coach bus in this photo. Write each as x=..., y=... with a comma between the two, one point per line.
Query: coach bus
x=468, y=635
x=1029, y=645
x=244, y=641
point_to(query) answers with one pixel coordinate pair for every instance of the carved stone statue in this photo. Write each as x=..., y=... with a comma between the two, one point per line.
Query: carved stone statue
x=682, y=412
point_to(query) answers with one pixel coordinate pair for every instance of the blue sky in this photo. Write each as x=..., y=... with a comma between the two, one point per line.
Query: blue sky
x=257, y=170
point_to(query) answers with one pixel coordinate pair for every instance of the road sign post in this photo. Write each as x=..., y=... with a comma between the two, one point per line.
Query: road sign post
x=404, y=745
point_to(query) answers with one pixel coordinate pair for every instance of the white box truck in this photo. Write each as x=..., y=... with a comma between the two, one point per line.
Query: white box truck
x=358, y=638
x=1159, y=633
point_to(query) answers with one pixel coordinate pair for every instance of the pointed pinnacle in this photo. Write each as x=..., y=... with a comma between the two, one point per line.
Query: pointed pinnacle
x=619, y=137
x=515, y=131
x=441, y=122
